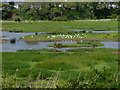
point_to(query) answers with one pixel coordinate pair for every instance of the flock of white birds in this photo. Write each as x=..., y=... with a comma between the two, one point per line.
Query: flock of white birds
x=67, y=36
x=63, y=36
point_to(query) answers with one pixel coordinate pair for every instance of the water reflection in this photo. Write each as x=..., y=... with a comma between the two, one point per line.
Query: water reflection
x=98, y=31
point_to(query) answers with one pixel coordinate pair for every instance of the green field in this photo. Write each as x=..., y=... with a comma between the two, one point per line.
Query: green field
x=53, y=26
x=82, y=68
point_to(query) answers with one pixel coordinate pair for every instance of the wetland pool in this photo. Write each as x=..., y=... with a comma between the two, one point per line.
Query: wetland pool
x=26, y=45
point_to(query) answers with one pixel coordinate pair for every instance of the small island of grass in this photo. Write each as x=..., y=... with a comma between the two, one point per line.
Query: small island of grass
x=78, y=44
x=3, y=41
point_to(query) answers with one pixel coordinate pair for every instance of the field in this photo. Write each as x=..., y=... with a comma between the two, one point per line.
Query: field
x=82, y=68
x=52, y=26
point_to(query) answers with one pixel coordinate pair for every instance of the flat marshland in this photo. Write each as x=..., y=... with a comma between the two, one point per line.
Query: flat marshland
x=35, y=66
x=56, y=26
x=52, y=68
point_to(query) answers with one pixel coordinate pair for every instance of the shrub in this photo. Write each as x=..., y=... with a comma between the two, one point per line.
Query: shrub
x=113, y=16
x=17, y=19
x=118, y=17
x=12, y=41
x=32, y=19
x=60, y=19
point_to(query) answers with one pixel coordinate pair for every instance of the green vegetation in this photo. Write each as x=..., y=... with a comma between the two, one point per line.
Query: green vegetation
x=73, y=36
x=51, y=68
x=78, y=44
x=57, y=10
x=79, y=68
x=52, y=26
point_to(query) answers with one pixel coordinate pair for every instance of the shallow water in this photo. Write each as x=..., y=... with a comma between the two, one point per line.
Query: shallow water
x=21, y=44
x=105, y=31
x=99, y=31
x=14, y=35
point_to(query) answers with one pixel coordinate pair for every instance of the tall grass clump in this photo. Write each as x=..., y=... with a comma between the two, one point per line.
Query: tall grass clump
x=103, y=78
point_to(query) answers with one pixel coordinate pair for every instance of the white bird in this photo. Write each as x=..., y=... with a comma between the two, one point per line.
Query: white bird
x=32, y=36
x=48, y=36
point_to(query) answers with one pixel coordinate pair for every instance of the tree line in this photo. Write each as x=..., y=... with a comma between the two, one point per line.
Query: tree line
x=60, y=11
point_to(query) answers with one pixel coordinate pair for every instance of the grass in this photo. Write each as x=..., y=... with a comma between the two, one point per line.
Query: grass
x=45, y=65
x=78, y=44
x=52, y=26
x=75, y=37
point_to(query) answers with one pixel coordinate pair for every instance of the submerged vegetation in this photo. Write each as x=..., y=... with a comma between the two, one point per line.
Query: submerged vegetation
x=80, y=68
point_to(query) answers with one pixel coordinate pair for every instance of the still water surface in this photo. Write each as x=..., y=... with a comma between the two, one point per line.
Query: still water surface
x=23, y=45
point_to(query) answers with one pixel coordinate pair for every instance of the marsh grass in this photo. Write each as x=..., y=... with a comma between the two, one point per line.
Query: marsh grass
x=51, y=26
x=93, y=79
x=44, y=68
x=87, y=36
x=78, y=44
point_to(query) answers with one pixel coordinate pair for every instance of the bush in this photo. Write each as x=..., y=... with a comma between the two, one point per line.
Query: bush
x=60, y=19
x=17, y=19
x=113, y=16
x=118, y=17
x=12, y=41
x=32, y=19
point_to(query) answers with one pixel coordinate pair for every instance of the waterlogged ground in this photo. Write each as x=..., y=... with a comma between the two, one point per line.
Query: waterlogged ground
x=33, y=64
